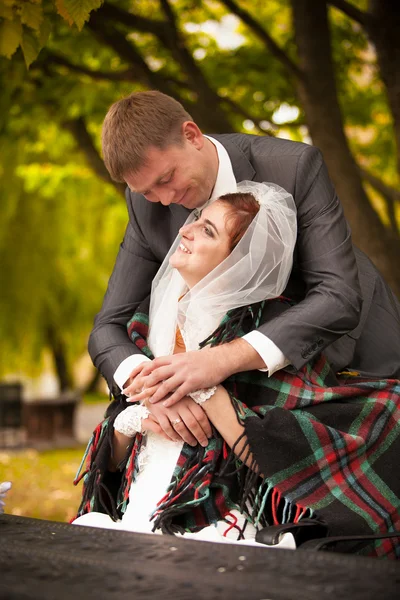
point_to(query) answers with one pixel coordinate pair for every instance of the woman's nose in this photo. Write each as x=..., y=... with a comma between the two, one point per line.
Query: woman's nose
x=186, y=230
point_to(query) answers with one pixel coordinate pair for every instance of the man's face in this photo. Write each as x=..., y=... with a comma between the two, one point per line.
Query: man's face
x=176, y=174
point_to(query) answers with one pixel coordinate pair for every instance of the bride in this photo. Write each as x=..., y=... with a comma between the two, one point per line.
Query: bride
x=282, y=448
x=239, y=252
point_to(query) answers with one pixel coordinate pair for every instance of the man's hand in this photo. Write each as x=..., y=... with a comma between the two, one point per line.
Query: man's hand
x=180, y=374
x=187, y=421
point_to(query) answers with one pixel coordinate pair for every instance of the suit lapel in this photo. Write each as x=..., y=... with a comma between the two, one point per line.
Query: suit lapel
x=242, y=167
x=179, y=214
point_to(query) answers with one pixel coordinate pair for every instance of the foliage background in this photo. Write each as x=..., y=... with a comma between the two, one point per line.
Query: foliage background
x=322, y=72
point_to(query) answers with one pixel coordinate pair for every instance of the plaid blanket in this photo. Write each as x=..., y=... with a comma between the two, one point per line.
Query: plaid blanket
x=327, y=446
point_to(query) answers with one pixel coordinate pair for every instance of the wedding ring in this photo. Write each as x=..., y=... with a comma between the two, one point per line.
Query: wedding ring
x=176, y=421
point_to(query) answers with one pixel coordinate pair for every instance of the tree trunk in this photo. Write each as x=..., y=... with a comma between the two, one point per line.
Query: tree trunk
x=61, y=366
x=384, y=33
x=318, y=94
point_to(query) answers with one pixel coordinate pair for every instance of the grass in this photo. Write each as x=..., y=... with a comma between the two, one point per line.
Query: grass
x=42, y=483
x=95, y=398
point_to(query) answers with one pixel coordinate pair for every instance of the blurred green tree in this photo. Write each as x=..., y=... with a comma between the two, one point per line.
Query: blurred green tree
x=306, y=69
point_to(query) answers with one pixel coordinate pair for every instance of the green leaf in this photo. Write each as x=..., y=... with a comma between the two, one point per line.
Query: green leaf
x=30, y=47
x=77, y=10
x=10, y=37
x=31, y=15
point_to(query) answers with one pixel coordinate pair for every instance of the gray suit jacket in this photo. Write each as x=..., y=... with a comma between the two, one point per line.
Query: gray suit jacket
x=335, y=286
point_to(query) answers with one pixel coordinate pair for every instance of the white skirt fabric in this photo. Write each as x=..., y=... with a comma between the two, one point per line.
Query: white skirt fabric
x=157, y=461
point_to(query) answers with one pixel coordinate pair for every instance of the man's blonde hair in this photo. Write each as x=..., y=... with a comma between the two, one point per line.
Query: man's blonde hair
x=135, y=123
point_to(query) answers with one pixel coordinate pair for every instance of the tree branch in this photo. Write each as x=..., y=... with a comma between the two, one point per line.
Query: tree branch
x=129, y=53
x=110, y=12
x=77, y=127
x=102, y=23
x=126, y=75
x=56, y=59
x=364, y=18
x=166, y=31
x=177, y=46
x=264, y=37
x=206, y=94
x=243, y=113
x=390, y=193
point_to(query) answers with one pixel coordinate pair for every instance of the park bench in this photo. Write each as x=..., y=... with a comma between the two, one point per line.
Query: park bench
x=39, y=422
x=11, y=420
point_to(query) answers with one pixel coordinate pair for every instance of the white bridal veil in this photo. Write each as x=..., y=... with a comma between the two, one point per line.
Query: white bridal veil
x=258, y=268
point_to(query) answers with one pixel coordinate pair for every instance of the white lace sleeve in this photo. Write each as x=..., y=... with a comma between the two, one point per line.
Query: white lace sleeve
x=201, y=396
x=129, y=421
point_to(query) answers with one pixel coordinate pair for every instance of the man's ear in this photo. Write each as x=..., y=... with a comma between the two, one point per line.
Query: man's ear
x=193, y=134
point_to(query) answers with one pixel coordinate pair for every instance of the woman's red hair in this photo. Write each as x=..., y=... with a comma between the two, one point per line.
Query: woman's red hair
x=243, y=209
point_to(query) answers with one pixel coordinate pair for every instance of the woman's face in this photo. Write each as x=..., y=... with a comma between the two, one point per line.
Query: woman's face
x=204, y=244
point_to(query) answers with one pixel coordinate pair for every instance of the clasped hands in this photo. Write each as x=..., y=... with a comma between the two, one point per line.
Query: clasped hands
x=164, y=384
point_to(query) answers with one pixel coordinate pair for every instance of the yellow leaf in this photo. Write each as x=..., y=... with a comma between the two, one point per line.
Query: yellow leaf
x=30, y=47
x=63, y=12
x=31, y=15
x=79, y=10
x=10, y=37
x=6, y=12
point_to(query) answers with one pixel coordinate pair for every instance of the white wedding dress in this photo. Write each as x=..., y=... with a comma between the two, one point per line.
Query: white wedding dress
x=157, y=461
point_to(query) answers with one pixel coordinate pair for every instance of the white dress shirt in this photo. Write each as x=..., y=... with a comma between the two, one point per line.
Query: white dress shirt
x=272, y=356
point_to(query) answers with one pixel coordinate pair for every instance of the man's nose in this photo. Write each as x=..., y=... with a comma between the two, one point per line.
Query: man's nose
x=166, y=197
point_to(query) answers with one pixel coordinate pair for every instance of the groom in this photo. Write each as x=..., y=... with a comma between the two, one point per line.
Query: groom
x=343, y=306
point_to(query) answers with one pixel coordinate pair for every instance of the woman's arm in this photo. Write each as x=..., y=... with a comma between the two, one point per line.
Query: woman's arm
x=121, y=442
x=223, y=416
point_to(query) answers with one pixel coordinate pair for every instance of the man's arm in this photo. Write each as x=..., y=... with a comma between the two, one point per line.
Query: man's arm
x=327, y=266
x=129, y=285
x=180, y=374
x=331, y=306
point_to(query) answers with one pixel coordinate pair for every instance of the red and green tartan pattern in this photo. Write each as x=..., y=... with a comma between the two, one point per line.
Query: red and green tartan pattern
x=327, y=445
x=338, y=446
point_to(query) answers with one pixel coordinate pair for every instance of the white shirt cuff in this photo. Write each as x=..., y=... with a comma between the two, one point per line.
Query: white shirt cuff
x=121, y=375
x=269, y=352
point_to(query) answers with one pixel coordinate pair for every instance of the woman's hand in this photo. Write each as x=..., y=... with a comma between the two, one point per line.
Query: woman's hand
x=186, y=421
x=150, y=424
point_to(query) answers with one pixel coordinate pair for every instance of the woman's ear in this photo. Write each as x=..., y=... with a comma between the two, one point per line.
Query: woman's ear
x=193, y=134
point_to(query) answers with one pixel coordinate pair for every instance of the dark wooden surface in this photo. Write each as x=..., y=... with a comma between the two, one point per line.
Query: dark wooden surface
x=46, y=560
